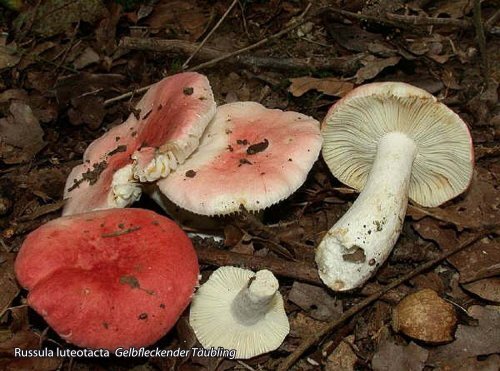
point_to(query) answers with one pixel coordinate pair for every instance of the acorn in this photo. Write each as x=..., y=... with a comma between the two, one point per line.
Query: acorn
x=425, y=316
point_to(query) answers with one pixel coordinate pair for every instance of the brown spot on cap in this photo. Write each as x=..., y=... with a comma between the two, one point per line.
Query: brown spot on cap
x=190, y=173
x=188, y=90
x=258, y=147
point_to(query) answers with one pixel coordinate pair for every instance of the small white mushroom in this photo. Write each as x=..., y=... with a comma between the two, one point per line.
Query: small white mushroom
x=239, y=309
x=392, y=141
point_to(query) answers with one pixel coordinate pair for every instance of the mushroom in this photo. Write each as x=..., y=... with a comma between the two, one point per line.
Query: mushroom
x=249, y=155
x=392, y=141
x=109, y=278
x=239, y=309
x=162, y=132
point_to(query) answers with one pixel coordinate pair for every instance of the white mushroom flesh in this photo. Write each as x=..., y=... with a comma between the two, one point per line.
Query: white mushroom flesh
x=125, y=189
x=363, y=238
x=161, y=165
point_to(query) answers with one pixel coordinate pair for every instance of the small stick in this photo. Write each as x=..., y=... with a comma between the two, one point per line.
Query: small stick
x=297, y=270
x=328, y=327
x=184, y=66
x=481, y=39
x=428, y=21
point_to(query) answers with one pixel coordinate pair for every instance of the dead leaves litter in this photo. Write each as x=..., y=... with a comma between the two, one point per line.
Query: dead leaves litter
x=329, y=86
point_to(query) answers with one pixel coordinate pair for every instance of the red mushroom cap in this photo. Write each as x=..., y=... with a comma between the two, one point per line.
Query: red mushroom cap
x=172, y=117
x=110, y=278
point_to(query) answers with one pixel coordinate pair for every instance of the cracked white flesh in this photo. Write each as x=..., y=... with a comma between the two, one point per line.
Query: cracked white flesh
x=159, y=167
x=125, y=189
x=363, y=238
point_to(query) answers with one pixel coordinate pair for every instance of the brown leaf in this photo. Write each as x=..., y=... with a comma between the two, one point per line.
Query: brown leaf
x=372, y=66
x=180, y=17
x=452, y=9
x=8, y=55
x=302, y=325
x=57, y=16
x=88, y=57
x=491, y=363
x=88, y=110
x=480, y=260
x=488, y=288
x=329, y=86
x=316, y=301
x=472, y=340
x=393, y=357
x=343, y=357
x=8, y=285
x=22, y=132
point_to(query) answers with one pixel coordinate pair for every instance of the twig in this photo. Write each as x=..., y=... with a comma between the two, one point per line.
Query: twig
x=328, y=327
x=481, y=39
x=343, y=65
x=296, y=270
x=184, y=66
x=428, y=21
x=299, y=21
x=492, y=20
x=127, y=95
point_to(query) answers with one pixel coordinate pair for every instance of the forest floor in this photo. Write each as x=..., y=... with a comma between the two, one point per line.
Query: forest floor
x=63, y=63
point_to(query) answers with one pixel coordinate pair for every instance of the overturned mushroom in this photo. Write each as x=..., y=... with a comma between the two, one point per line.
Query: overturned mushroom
x=109, y=278
x=249, y=155
x=241, y=310
x=161, y=133
x=392, y=141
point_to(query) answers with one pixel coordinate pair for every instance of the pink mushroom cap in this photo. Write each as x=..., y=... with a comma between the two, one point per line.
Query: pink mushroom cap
x=250, y=156
x=110, y=278
x=173, y=115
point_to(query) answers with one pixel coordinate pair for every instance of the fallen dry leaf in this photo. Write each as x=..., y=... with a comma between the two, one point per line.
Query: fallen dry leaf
x=8, y=285
x=472, y=340
x=329, y=86
x=57, y=16
x=488, y=288
x=480, y=260
x=88, y=110
x=181, y=17
x=88, y=57
x=343, y=357
x=302, y=325
x=22, y=134
x=8, y=55
x=491, y=363
x=393, y=357
x=316, y=301
x=452, y=9
x=372, y=66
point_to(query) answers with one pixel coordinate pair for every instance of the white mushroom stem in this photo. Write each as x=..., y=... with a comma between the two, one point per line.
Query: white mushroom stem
x=363, y=238
x=255, y=300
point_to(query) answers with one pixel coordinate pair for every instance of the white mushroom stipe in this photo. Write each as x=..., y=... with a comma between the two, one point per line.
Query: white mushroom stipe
x=238, y=309
x=252, y=302
x=125, y=191
x=363, y=238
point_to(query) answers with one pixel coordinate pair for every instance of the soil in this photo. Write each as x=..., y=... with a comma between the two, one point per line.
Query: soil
x=60, y=75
